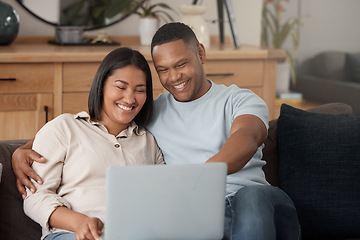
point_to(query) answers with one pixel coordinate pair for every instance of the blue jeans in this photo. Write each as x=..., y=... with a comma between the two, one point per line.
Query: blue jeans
x=261, y=212
x=61, y=236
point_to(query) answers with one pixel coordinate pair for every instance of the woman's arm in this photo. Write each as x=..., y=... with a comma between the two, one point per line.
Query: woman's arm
x=83, y=226
x=48, y=206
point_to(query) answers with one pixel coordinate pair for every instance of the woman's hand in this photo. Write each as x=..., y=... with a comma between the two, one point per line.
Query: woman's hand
x=89, y=229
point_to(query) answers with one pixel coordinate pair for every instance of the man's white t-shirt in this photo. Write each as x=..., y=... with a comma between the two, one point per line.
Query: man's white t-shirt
x=193, y=132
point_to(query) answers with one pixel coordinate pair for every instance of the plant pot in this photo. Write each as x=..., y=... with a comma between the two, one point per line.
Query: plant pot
x=69, y=34
x=147, y=28
x=282, y=77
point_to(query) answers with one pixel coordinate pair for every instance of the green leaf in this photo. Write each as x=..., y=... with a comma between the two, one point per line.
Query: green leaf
x=292, y=67
x=118, y=6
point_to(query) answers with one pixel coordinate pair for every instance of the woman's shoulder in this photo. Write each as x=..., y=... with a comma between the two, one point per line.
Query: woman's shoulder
x=64, y=117
x=61, y=121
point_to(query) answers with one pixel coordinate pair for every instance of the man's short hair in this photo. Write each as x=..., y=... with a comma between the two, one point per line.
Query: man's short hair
x=172, y=32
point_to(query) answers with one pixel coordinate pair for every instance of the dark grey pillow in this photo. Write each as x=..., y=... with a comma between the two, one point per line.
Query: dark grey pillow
x=352, y=67
x=319, y=168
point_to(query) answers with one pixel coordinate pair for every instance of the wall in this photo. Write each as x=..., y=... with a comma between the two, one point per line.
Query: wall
x=327, y=24
x=48, y=11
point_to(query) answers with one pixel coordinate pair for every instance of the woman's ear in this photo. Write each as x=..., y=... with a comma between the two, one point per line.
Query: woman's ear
x=201, y=53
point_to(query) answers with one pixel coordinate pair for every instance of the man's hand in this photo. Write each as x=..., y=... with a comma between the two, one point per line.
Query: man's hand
x=22, y=159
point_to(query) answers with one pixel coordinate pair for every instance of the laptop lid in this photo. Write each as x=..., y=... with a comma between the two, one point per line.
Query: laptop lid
x=170, y=202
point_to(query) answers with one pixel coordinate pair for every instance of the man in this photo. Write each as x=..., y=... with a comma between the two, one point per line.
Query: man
x=198, y=121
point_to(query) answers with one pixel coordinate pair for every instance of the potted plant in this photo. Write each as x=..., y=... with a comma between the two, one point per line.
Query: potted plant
x=156, y=10
x=275, y=31
x=94, y=13
x=150, y=14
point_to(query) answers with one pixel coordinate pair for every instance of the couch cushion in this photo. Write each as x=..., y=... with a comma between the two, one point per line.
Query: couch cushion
x=270, y=151
x=319, y=168
x=14, y=224
x=352, y=67
x=329, y=65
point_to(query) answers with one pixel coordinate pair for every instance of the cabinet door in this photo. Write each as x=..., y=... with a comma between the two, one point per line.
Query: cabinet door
x=78, y=78
x=75, y=102
x=22, y=115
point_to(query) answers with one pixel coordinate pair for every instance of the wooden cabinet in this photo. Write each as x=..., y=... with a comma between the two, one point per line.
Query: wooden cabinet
x=26, y=99
x=246, y=74
x=54, y=79
x=77, y=80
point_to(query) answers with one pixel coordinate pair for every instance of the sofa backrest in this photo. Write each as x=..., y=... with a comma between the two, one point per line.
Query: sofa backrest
x=327, y=65
x=14, y=224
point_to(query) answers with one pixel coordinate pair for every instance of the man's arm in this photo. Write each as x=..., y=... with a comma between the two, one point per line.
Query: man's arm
x=247, y=133
x=22, y=159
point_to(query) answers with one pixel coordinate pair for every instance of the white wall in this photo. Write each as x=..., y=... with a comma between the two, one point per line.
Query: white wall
x=327, y=24
x=45, y=8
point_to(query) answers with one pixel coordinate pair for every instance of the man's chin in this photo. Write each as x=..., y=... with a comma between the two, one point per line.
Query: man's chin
x=181, y=97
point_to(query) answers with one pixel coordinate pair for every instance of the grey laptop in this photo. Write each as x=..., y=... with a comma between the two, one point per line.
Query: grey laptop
x=169, y=202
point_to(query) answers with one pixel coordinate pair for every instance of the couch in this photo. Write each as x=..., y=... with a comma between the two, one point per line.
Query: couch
x=330, y=76
x=14, y=224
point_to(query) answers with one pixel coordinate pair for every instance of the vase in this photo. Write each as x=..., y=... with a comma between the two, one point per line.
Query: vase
x=193, y=17
x=282, y=77
x=9, y=24
x=147, y=28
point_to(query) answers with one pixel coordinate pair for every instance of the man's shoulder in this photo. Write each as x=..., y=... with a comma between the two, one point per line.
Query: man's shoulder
x=163, y=98
x=233, y=90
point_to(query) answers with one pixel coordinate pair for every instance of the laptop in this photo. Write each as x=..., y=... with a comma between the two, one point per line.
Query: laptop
x=165, y=202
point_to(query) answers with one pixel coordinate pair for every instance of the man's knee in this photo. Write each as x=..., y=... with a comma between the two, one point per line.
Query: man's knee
x=255, y=194
x=286, y=222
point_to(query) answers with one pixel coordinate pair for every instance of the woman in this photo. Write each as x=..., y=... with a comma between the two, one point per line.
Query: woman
x=71, y=202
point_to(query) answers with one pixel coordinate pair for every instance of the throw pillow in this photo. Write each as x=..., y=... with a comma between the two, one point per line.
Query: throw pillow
x=319, y=168
x=352, y=67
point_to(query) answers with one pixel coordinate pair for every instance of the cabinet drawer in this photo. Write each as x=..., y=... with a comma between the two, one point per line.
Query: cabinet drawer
x=245, y=74
x=78, y=77
x=257, y=91
x=26, y=77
